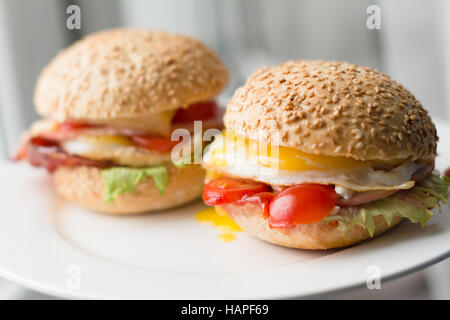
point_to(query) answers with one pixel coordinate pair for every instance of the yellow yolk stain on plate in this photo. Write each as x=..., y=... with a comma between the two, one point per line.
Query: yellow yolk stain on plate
x=227, y=237
x=219, y=219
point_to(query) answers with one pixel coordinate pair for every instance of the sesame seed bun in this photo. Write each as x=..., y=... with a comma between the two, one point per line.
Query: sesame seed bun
x=316, y=236
x=128, y=73
x=333, y=109
x=84, y=187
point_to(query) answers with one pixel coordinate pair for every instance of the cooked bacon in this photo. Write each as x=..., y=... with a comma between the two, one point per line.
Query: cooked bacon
x=48, y=154
x=423, y=172
x=359, y=198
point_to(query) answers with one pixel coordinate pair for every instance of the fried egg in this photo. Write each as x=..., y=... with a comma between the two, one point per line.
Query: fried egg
x=237, y=156
x=114, y=148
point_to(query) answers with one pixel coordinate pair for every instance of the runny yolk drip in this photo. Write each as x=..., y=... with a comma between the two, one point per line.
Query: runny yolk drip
x=219, y=219
x=279, y=157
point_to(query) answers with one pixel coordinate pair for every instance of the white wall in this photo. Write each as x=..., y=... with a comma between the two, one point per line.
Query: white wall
x=413, y=41
x=31, y=33
x=444, y=16
x=3, y=152
x=98, y=15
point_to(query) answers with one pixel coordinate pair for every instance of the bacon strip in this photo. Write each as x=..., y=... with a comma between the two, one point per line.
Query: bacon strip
x=364, y=197
x=48, y=154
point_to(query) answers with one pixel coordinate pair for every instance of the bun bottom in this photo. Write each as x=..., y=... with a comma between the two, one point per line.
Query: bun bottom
x=316, y=236
x=84, y=187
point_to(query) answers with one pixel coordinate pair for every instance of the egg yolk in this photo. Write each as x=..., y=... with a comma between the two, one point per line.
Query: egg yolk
x=106, y=139
x=279, y=157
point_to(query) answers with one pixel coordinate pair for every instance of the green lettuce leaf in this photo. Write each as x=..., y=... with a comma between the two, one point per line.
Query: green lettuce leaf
x=414, y=204
x=119, y=180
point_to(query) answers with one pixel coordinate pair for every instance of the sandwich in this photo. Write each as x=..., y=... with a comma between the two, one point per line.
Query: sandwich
x=319, y=155
x=110, y=103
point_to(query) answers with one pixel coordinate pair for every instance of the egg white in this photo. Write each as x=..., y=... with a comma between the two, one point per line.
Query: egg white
x=116, y=151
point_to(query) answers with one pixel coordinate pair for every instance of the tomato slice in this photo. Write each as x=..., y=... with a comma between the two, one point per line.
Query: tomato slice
x=154, y=143
x=301, y=204
x=261, y=199
x=197, y=111
x=42, y=142
x=228, y=190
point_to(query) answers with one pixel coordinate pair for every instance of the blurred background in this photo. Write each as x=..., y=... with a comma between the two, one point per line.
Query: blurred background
x=407, y=39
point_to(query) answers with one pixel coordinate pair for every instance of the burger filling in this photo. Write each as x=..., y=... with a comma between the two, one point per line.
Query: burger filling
x=292, y=187
x=127, y=151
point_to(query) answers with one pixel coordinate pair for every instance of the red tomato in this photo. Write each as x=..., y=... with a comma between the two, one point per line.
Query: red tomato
x=154, y=143
x=228, y=190
x=301, y=204
x=42, y=142
x=197, y=111
x=261, y=199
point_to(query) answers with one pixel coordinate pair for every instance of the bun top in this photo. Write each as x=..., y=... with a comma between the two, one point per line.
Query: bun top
x=127, y=73
x=334, y=109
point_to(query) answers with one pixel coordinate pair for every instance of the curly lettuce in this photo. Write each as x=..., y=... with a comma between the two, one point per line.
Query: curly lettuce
x=414, y=204
x=118, y=180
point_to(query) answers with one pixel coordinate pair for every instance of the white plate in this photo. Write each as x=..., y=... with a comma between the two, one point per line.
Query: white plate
x=62, y=250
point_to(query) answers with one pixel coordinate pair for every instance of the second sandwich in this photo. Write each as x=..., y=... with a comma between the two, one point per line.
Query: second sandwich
x=110, y=103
